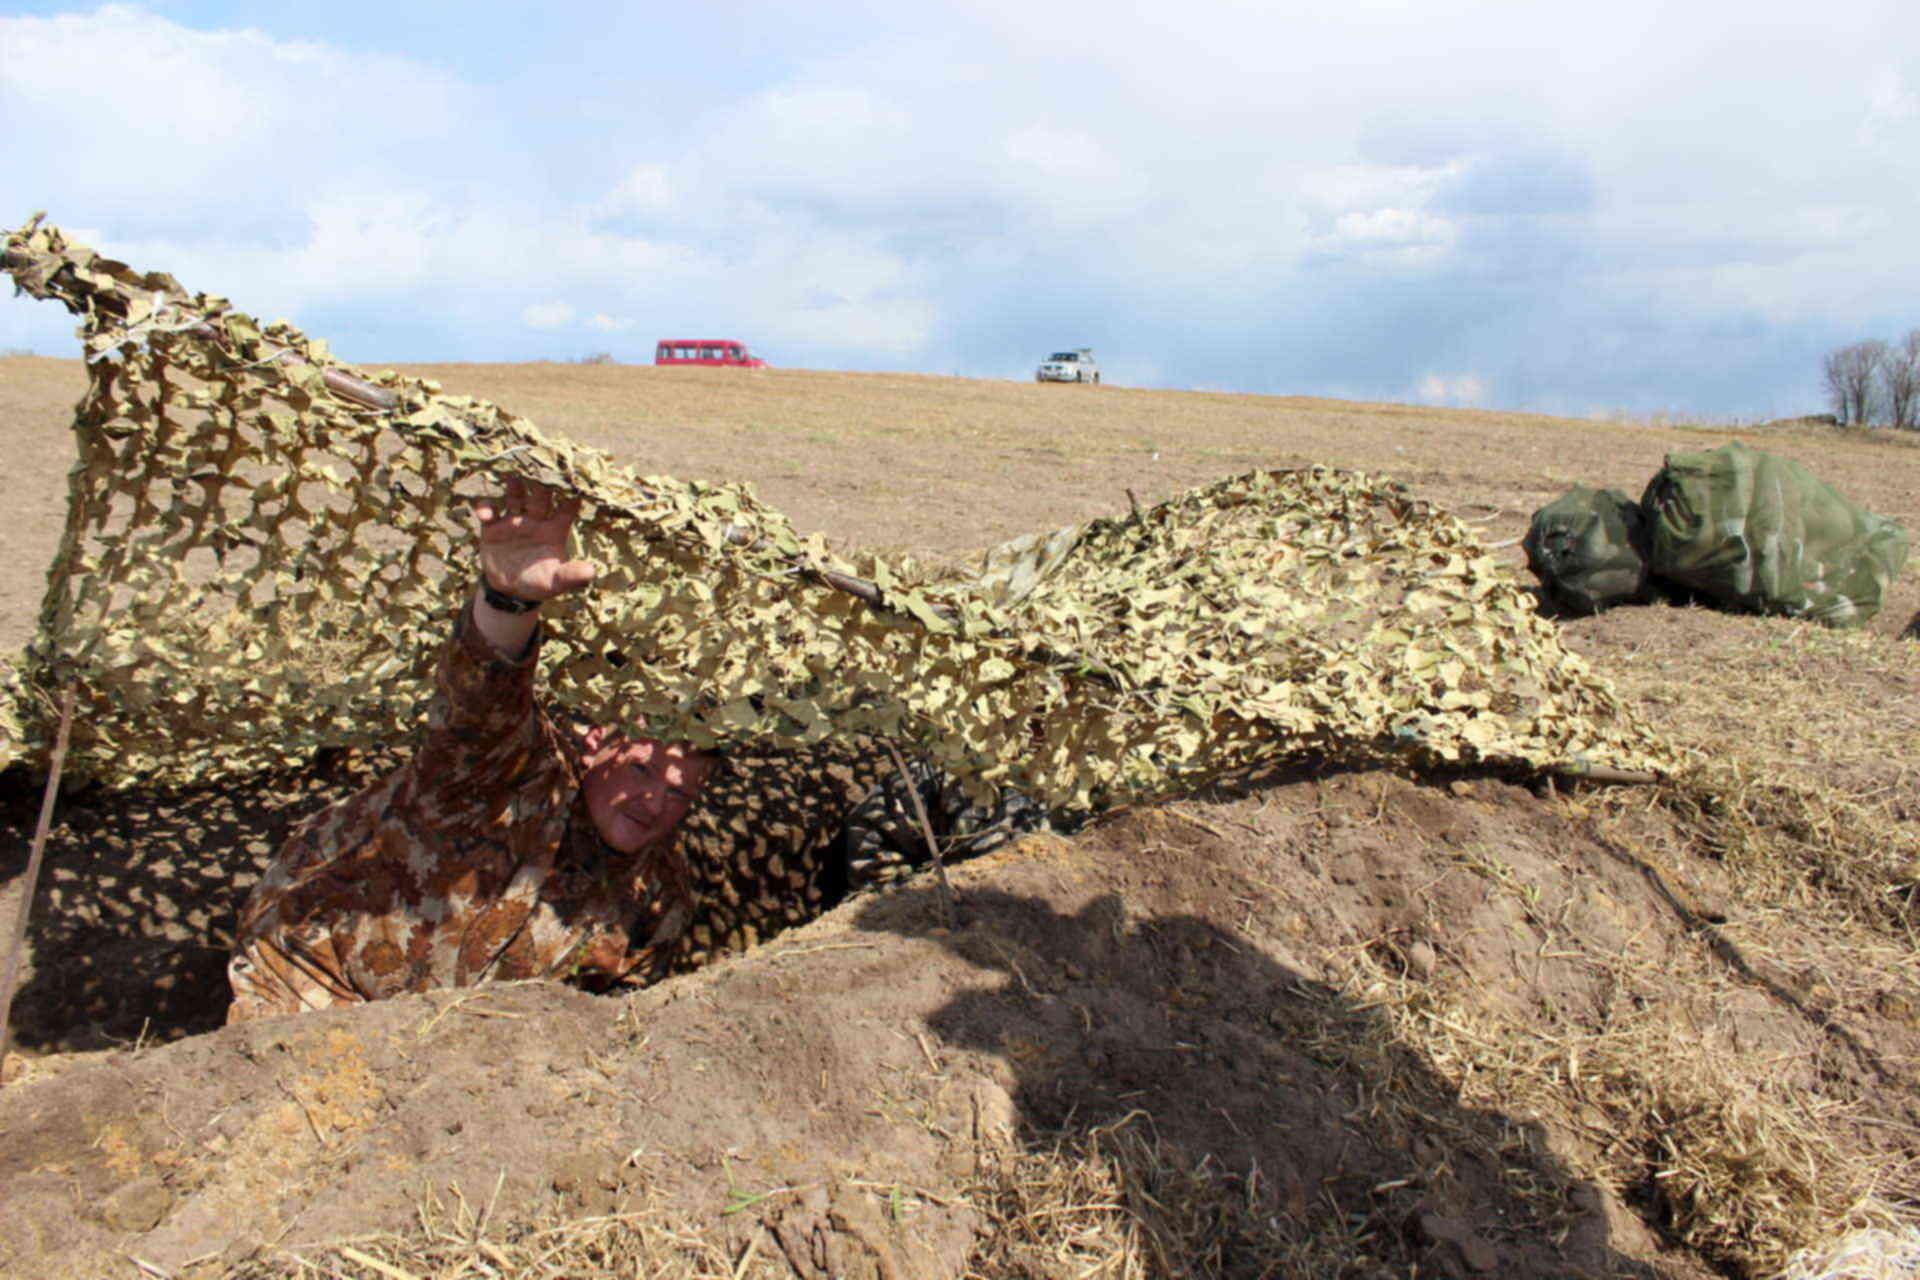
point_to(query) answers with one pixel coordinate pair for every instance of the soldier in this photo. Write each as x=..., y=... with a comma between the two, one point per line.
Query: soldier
x=506, y=847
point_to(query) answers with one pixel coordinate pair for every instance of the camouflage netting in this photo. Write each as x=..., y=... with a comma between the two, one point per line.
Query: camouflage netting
x=260, y=560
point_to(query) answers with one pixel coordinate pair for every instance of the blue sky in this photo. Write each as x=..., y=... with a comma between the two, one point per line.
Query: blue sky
x=1656, y=208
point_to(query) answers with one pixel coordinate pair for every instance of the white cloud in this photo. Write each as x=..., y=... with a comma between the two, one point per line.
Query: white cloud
x=827, y=141
x=547, y=315
x=1465, y=389
x=1889, y=97
x=843, y=290
x=1393, y=226
x=120, y=101
x=608, y=324
x=831, y=116
x=1066, y=153
x=1366, y=186
x=283, y=174
x=1890, y=123
x=647, y=188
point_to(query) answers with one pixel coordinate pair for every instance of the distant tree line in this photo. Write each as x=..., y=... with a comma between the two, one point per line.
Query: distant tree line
x=1875, y=383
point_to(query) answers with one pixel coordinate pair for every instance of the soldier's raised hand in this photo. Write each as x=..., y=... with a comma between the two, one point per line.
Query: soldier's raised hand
x=523, y=542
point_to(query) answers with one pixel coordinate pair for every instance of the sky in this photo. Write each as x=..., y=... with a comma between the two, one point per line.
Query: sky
x=1651, y=207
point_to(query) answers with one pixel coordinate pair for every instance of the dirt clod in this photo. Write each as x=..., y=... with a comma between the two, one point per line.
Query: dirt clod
x=138, y=1207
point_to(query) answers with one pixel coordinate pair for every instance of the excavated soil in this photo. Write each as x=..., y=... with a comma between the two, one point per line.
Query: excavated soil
x=1172, y=966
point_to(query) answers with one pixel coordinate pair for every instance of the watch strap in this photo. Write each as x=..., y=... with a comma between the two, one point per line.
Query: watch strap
x=504, y=602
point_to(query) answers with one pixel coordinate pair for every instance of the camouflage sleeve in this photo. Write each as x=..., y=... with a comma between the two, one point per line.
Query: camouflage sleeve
x=485, y=734
x=390, y=889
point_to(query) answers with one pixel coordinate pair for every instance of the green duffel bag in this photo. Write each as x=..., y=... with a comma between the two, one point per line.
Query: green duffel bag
x=1752, y=531
x=1588, y=548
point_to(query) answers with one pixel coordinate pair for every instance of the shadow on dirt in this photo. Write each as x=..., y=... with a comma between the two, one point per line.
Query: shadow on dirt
x=138, y=896
x=1339, y=1143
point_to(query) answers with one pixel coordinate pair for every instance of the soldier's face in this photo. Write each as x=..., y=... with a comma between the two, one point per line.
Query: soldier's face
x=638, y=789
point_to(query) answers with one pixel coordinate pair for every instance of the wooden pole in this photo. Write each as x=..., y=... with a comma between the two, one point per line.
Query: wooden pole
x=1601, y=773
x=344, y=385
x=32, y=877
x=926, y=830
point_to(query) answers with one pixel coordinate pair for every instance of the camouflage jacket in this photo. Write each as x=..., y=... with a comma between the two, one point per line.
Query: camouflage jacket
x=474, y=861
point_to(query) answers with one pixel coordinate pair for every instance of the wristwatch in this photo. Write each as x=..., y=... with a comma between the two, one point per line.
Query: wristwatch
x=504, y=602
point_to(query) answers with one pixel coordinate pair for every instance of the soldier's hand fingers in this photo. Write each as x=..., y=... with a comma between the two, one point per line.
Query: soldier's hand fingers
x=485, y=512
x=574, y=574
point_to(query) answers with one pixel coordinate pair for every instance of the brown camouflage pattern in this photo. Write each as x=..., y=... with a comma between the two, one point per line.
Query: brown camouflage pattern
x=763, y=841
x=475, y=861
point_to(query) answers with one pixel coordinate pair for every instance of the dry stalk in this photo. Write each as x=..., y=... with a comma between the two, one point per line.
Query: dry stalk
x=926, y=831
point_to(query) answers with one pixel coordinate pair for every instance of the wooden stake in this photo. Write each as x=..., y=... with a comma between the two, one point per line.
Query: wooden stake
x=1600, y=773
x=33, y=876
x=926, y=829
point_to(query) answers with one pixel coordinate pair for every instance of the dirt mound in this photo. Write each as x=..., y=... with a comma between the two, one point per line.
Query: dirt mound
x=1344, y=1025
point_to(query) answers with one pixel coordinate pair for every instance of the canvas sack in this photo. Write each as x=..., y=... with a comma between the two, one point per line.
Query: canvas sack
x=1588, y=548
x=1757, y=532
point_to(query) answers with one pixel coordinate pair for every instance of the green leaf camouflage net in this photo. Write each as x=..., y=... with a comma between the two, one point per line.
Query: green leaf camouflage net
x=264, y=548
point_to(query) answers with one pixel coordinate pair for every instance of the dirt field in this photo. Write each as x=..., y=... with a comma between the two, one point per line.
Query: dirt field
x=1312, y=1024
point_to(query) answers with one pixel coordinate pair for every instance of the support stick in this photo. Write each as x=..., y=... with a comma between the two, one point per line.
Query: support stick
x=33, y=875
x=926, y=829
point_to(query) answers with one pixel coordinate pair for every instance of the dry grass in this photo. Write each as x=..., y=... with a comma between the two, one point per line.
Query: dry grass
x=1790, y=701
x=1799, y=847
x=1738, y=1155
x=1863, y=1255
x=1710, y=1143
x=1117, y=1203
x=1113, y=1203
x=452, y=1240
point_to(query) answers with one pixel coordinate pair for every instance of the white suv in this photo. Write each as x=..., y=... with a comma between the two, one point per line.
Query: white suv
x=1077, y=365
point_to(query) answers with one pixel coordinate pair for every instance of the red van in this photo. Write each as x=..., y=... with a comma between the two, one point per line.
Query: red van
x=714, y=351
